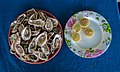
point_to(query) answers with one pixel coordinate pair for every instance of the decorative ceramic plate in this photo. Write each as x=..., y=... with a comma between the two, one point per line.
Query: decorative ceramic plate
x=89, y=47
x=35, y=36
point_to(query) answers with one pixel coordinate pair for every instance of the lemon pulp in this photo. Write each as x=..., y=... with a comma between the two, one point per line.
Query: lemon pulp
x=75, y=36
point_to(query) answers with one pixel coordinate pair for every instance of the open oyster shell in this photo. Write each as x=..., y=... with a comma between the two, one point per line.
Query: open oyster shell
x=45, y=49
x=56, y=42
x=42, y=16
x=14, y=29
x=42, y=56
x=33, y=20
x=32, y=46
x=20, y=27
x=54, y=21
x=49, y=24
x=15, y=38
x=41, y=39
x=19, y=49
x=21, y=18
x=30, y=12
x=26, y=33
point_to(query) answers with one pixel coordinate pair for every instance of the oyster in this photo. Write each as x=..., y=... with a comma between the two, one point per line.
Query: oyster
x=54, y=21
x=20, y=27
x=21, y=18
x=56, y=42
x=25, y=22
x=56, y=30
x=14, y=29
x=36, y=22
x=26, y=33
x=30, y=57
x=30, y=12
x=41, y=39
x=42, y=16
x=42, y=56
x=12, y=50
x=15, y=38
x=19, y=50
x=45, y=49
x=49, y=24
x=32, y=46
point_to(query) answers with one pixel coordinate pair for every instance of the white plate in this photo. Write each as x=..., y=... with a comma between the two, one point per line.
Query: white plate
x=89, y=47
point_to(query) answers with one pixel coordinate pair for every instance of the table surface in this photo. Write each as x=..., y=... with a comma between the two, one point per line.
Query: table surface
x=65, y=60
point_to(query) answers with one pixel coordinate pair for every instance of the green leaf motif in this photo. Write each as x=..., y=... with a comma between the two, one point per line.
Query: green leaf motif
x=68, y=42
x=74, y=49
x=91, y=13
x=91, y=50
x=109, y=39
x=97, y=18
x=106, y=27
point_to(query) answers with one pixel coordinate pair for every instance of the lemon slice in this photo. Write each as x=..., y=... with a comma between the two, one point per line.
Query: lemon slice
x=89, y=32
x=76, y=27
x=76, y=37
x=84, y=22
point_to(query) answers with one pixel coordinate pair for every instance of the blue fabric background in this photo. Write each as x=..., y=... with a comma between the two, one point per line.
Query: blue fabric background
x=65, y=60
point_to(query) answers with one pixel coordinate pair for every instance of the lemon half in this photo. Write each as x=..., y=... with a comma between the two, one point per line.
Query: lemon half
x=84, y=22
x=76, y=37
x=89, y=32
x=76, y=27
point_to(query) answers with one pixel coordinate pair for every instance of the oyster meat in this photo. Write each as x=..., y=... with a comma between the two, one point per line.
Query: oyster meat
x=21, y=18
x=54, y=21
x=32, y=46
x=20, y=27
x=45, y=49
x=36, y=22
x=30, y=12
x=56, y=42
x=15, y=38
x=26, y=33
x=41, y=39
x=19, y=49
x=49, y=24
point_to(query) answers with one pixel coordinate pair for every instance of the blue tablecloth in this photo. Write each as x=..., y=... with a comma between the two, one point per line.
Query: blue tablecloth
x=65, y=60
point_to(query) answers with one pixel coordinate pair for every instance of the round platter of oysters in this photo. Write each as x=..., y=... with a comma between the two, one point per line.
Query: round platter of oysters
x=35, y=36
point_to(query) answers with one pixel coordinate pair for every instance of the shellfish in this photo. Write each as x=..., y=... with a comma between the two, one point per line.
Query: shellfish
x=49, y=24
x=45, y=49
x=30, y=12
x=36, y=22
x=56, y=42
x=26, y=33
x=19, y=50
x=32, y=46
x=54, y=21
x=41, y=39
x=21, y=18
